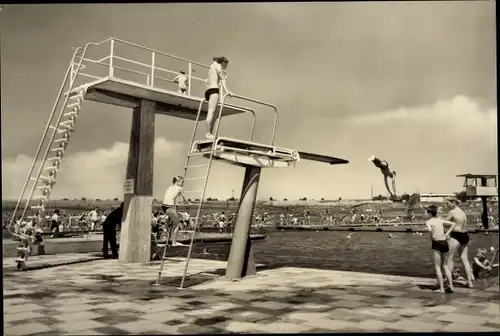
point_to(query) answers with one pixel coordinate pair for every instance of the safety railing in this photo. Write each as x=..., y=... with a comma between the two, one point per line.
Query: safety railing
x=149, y=70
x=252, y=100
x=151, y=74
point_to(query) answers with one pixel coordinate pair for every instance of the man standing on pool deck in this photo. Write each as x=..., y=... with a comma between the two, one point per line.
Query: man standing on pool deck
x=109, y=232
x=439, y=247
x=216, y=79
x=459, y=238
x=169, y=205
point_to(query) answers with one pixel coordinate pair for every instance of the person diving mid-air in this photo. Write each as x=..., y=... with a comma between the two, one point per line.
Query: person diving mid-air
x=386, y=171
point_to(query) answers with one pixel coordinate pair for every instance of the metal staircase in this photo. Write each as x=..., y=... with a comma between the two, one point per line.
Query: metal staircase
x=47, y=161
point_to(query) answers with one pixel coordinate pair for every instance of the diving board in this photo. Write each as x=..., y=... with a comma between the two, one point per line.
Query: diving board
x=242, y=153
x=124, y=93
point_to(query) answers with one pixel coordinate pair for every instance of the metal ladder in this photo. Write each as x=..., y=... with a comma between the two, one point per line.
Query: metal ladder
x=49, y=155
x=195, y=193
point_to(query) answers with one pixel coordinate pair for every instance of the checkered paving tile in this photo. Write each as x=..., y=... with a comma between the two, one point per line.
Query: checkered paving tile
x=104, y=297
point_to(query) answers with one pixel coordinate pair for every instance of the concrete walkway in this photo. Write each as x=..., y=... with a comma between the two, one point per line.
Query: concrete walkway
x=104, y=297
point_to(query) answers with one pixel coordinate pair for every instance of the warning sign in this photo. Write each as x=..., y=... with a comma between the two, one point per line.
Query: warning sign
x=128, y=186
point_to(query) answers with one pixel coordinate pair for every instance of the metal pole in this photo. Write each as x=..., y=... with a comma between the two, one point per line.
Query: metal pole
x=112, y=52
x=151, y=81
x=190, y=71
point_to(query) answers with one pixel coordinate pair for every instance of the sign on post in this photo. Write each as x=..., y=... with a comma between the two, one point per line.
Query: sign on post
x=128, y=186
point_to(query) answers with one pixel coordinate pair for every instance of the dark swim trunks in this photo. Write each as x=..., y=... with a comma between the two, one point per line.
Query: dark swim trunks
x=461, y=237
x=440, y=245
x=210, y=92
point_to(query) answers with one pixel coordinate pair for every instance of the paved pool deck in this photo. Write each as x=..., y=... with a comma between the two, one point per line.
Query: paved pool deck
x=104, y=297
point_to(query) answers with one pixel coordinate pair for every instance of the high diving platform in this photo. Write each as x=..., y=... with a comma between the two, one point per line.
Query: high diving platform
x=145, y=80
x=124, y=93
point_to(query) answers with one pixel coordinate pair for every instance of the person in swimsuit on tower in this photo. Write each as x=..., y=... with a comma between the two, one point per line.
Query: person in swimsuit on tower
x=182, y=82
x=386, y=171
x=216, y=78
x=459, y=238
x=439, y=246
x=173, y=192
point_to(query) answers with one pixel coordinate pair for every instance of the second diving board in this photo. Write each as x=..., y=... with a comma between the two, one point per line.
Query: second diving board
x=242, y=152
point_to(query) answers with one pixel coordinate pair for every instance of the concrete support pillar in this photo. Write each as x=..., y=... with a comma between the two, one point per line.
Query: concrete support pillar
x=241, y=262
x=135, y=235
x=484, y=215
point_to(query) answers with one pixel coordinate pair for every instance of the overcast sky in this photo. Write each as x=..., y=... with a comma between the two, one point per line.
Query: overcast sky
x=413, y=83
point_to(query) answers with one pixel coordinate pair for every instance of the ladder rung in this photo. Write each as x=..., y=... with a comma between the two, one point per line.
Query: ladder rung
x=76, y=104
x=73, y=112
x=58, y=129
x=45, y=178
x=60, y=140
x=198, y=153
x=40, y=198
x=67, y=123
x=54, y=158
x=204, y=141
x=23, y=248
x=58, y=149
x=75, y=95
x=20, y=260
x=34, y=207
x=51, y=168
x=196, y=166
x=195, y=178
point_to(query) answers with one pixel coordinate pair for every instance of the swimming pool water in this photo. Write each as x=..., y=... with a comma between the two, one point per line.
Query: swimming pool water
x=405, y=254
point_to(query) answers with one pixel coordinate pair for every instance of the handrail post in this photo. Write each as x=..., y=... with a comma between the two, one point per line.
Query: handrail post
x=190, y=71
x=112, y=52
x=72, y=73
x=151, y=81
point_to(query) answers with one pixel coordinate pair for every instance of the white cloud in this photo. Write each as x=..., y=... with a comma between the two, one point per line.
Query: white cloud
x=94, y=174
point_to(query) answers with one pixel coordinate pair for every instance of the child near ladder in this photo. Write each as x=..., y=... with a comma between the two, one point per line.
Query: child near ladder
x=173, y=192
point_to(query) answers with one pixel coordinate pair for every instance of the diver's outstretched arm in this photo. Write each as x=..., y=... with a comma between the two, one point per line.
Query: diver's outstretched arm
x=387, y=185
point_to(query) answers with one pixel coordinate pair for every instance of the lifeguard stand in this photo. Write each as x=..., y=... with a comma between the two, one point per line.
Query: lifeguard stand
x=144, y=82
x=483, y=186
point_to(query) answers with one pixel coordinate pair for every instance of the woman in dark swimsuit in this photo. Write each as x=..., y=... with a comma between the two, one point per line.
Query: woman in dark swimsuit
x=459, y=239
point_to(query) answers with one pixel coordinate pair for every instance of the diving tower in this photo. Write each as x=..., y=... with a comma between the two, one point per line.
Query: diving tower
x=483, y=186
x=143, y=82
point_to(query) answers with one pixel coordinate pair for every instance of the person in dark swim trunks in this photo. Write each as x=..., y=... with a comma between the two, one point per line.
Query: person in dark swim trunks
x=459, y=239
x=387, y=172
x=216, y=78
x=439, y=247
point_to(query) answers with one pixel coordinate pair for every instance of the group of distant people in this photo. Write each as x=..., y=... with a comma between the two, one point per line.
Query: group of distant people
x=447, y=244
